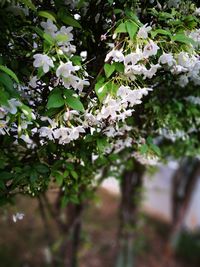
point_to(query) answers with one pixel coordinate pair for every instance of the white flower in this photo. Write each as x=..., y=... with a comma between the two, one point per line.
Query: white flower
x=2, y=112
x=183, y=80
x=197, y=12
x=18, y=216
x=49, y=27
x=65, y=69
x=146, y=159
x=12, y=106
x=46, y=132
x=195, y=35
x=177, y=69
x=68, y=49
x=43, y=61
x=166, y=59
x=70, y=81
x=67, y=33
x=110, y=131
x=80, y=84
x=133, y=58
x=123, y=91
x=109, y=109
x=33, y=82
x=83, y=55
x=193, y=99
x=184, y=59
x=62, y=134
x=150, y=49
x=75, y=132
x=143, y=31
x=134, y=69
x=149, y=73
x=116, y=56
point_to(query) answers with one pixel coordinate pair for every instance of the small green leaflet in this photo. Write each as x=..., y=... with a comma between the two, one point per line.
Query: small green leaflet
x=67, y=19
x=75, y=103
x=160, y=31
x=109, y=69
x=47, y=37
x=132, y=28
x=47, y=15
x=55, y=100
x=29, y=4
x=121, y=28
x=128, y=26
x=182, y=38
x=9, y=72
x=101, y=90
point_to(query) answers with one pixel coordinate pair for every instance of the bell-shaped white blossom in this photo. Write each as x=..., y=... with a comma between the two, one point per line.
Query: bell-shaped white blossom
x=167, y=58
x=115, y=55
x=197, y=11
x=133, y=58
x=49, y=27
x=43, y=61
x=33, y=82
x=12, y=105
x=149, y=73
x=65, y=69
x=150, y=49
x=143, y=31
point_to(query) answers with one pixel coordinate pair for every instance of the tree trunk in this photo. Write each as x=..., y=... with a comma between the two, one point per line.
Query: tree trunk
x=130, y=195
x=70, y=245
x=183, y=185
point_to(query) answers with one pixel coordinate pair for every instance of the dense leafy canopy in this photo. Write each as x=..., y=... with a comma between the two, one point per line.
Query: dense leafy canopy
x=86, y=86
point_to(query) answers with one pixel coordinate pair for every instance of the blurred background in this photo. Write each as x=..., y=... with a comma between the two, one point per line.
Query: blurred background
x=25, y=243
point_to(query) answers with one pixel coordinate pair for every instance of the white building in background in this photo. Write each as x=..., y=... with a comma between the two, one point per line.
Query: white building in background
x=158, y=193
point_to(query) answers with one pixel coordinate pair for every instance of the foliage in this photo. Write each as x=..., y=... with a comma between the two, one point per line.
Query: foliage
x=86, y=86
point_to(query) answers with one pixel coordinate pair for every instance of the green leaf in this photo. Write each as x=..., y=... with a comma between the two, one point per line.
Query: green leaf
x=76, y=60
x=165, y=15
x=156, y=149
x=29, y=4
x=182, y=38
x=67, y=19
x=119, y=67
x=47, y=15
x=118, y=11
x=144, y=149
x=42, y=168
x=74, y=174
x=133, y=17
x=132, y=28
x=61, y=38
x=160, y=31
x=112, y=88
x=74, y=102
x=47, y=37
x=59, y=177
x=121, y=28
x=33, y=175
x=101, y=90
x=109, y=69
x=6, y=81
x=26, y=110
x=4, y=96
x=55, y=100
x=9, y=72
x=102, y=143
